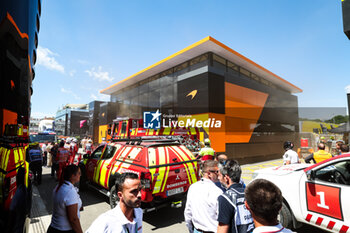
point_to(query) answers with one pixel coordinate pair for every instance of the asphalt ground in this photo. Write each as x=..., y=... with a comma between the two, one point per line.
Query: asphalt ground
x=168, y=220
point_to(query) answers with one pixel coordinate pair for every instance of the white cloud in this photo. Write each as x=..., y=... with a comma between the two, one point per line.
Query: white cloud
x=347, y=89
x=94, y=97
x=72, y=73
x=47, y=59
x=99, y=74
x=63, y=90
x=100, y=97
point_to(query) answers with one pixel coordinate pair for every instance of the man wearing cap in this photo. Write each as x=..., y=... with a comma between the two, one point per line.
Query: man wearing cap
x=290, y=156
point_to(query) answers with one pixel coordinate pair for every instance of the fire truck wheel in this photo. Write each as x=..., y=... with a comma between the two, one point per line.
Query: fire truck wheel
x=285, y=217
x=113, y=197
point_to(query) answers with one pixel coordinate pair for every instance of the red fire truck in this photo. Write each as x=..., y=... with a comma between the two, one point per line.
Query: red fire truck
x=128, y=128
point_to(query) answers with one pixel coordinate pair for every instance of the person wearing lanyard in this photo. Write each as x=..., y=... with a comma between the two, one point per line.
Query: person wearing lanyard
x=126, y=217
x=233, y=217
x=201, y=206
x=264, y=201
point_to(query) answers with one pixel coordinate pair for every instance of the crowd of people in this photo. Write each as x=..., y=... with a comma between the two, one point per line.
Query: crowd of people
x=208, y=207
x=56, y=155
x=231, y=207
x=322, y=153
x=218, y=202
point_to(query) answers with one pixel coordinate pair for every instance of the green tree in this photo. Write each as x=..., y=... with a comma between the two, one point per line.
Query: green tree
x=338, y=119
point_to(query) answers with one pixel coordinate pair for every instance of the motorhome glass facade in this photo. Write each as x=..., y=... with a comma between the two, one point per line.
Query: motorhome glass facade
x=258, y=114
x=67, y=122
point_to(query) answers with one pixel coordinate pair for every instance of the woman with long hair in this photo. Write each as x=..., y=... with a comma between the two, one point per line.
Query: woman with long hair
x=66, y=203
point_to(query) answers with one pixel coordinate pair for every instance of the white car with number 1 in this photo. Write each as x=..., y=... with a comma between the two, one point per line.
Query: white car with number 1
x=317, y=194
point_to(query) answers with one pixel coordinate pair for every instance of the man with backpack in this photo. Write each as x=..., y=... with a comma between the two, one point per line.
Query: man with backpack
x=233, y=216
x=35, y=159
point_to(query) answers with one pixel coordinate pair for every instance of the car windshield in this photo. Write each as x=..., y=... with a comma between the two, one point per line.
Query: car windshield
x=336, y=173
x=109, y=152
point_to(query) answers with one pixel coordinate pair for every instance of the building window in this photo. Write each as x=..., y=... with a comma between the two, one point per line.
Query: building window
x=255, y=77
x=232, y=68
x=154, y=99
x=219, y=62
x=167, y=96
x=264, y=81
x=199, y=61
x=37, y=23
x=244, y=72
x=154, y=85
x=181, y=69
x=166, y=81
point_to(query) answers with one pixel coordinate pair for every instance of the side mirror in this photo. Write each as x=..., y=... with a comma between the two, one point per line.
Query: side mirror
x=85, y=156
x=311, y=175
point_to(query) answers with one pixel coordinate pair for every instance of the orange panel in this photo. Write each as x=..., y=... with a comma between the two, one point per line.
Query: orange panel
x=244, y=95
x=217, y=135
x=243, y=107
x=9, y=117
x=241, y=110
x=102, y=132
x=22, y=34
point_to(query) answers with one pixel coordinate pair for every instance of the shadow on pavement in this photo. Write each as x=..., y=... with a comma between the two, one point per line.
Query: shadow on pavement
x=164, y=217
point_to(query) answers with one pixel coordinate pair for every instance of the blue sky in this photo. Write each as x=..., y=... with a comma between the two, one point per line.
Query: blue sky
x=86, y=45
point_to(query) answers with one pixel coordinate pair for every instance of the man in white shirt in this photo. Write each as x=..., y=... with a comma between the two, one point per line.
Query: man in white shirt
x=290, y=156
x=201, y=206
x=126, y=217
x=264, y=201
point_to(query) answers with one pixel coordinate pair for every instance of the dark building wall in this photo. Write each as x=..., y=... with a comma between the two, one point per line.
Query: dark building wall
x=200, y=103
x=168, y=91
x=108, y=112
x=261, y=147
x=161, y=90
x=277, y=123
x=93, y=122
x=19, y=28
x=67, y=122
x=74, y=122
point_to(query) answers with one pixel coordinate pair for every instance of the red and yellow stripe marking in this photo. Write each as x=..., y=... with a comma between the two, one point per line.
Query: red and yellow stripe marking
x=127, y=153
x=167, y=168
x=163, y=171
x=153, y=161
x=189, y=169
x=108, y=170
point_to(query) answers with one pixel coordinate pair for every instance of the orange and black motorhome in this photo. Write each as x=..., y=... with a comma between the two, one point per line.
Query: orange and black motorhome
x=208, y=81
x=19, y=27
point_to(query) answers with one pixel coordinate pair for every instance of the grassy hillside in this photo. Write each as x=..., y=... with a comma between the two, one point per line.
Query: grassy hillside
x=308, y=126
